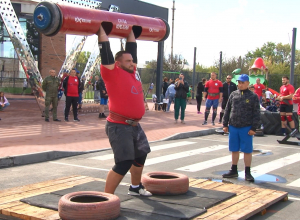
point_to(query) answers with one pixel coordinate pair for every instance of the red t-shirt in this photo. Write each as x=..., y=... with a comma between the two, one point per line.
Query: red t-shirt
x=287, y=90
x=213, y=87
x=258, y=89
x=72, y=86
x=125, y=93
x=296, y=99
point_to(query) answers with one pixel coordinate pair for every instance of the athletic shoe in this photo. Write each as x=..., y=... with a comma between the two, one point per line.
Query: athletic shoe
x=139, y=191
x=198, y=112
x=103, y=115
x=47, y=119
x=220, y=122
x=66, y=119
x=213, y=123
x=57, y=119
x=230, y=174
x=182, y=122
x=76, y=119
x=204, y=123
x=249, y=177
x=176, y=120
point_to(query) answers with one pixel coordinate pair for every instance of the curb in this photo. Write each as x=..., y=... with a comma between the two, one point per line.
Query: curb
x=39, y=157
x=190, y=134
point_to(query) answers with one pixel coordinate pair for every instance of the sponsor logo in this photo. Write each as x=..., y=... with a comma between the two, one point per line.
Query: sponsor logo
x=247, y=101
x=153, y=30
x=122, y=24
x=82, y=20
x=216, y=84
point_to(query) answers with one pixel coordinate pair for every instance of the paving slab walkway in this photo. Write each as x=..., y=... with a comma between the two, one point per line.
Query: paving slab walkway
x=24, y=131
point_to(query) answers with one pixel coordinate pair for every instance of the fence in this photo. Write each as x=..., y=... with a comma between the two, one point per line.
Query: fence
x=148, y=76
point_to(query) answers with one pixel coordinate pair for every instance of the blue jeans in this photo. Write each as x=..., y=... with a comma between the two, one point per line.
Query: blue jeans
x=5, y=105
x=171, y=98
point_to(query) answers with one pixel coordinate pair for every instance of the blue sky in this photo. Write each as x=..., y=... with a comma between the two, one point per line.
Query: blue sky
x=233, y=27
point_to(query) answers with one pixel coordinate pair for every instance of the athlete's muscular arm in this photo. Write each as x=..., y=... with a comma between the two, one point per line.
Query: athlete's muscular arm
x=131, y=47
x=107, y=58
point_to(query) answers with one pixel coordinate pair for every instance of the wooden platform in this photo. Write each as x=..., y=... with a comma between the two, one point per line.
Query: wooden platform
x=255, y=199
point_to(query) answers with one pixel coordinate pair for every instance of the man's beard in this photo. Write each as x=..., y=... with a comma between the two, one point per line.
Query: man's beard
x=284, y=83
x=126, y=69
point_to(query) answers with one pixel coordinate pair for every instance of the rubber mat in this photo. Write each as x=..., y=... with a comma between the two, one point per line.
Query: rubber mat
x=186, y=206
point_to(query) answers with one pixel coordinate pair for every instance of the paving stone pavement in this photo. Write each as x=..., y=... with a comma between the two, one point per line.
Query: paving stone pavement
x=24, y=131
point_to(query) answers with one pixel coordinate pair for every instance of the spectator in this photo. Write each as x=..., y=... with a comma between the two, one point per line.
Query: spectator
x=170, y=94
x=182, y=88
x=200, y=90
x=296, y=100
x=189, y=95
x=81, y=88
x=242, y=114
x=269, y=96
x=165, y=86
x=228, y=88
x=259, y=89
x=3, y=102
x=25, y=85
x=151, y=87
x=97, y=96
x=61, y=88
x=50, y=86
x=104, y=98
x=286, y=104
x=251, y=88
x=71, y=86
x=214, y=89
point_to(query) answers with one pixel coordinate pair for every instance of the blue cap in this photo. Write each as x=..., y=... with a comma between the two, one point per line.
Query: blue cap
x=243, y=78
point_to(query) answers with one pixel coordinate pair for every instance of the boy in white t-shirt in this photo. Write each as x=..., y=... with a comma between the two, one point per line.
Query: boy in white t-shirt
x=269, y=96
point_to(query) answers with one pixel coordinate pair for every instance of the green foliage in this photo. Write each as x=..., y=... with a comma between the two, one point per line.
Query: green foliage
x=174, y=65
x=82, y=60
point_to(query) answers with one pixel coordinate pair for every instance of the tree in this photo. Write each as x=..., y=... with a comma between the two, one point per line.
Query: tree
x=173, y=65
x=82, y=60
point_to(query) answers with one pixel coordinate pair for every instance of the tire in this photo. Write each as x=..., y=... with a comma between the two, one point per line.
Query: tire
x=89, y=205
x=165, y=183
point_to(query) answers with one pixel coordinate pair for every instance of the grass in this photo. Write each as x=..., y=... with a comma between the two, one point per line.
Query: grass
x=15, y=90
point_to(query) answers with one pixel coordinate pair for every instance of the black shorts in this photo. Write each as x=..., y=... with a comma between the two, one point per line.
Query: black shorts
x=224, y=103
x=286, y=108
x=127, y=142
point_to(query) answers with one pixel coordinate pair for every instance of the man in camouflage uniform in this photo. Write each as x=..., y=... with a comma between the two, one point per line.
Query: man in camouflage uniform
x=242, y=113
x=50, y=86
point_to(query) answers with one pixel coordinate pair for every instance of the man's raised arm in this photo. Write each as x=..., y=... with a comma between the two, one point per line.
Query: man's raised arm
x=131, y=47
x=107, y=58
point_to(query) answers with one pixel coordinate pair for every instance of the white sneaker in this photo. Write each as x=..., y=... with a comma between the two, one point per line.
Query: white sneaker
x=139, y=191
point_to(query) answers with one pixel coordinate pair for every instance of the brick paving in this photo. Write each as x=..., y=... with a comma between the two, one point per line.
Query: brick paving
x=24, y=131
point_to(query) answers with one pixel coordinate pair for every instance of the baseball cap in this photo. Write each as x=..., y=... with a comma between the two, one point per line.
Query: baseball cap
x=243, y=78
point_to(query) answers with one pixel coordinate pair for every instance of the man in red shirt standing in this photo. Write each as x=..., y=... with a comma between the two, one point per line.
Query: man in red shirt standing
x=286, y=104
x=258, y=89
x=214, y=88
x=71, y=86
x=127, y=138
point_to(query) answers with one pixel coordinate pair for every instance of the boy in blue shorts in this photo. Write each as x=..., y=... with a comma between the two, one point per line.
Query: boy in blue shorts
x=104, y=98
x=242, y=114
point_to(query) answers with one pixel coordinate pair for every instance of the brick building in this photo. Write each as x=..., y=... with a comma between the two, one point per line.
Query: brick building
x=48, y=52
